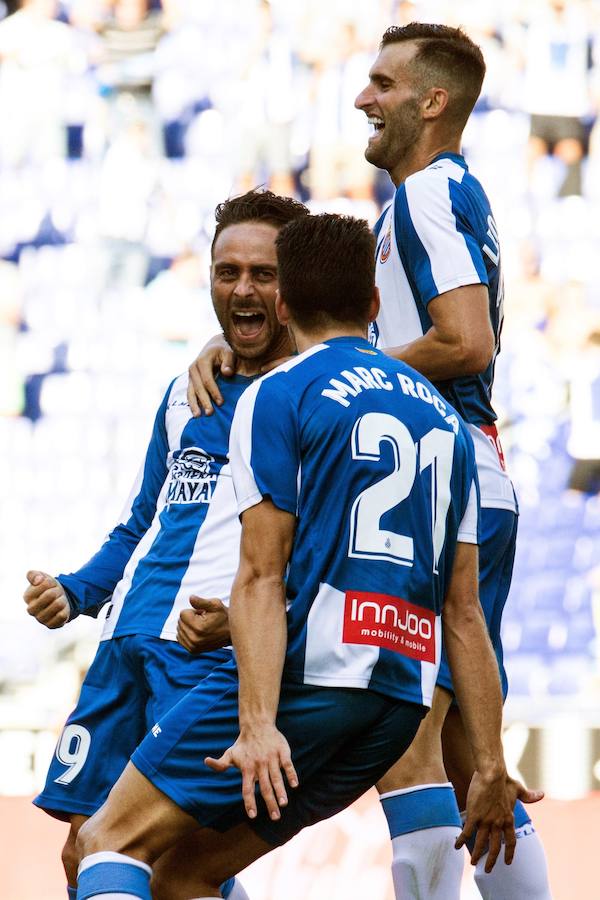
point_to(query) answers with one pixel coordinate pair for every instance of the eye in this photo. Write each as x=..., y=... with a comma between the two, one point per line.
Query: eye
x=265, y=275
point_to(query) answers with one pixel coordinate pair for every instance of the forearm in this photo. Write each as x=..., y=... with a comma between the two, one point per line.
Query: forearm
x=477, y=686
x=258, y=625
x=434, y=356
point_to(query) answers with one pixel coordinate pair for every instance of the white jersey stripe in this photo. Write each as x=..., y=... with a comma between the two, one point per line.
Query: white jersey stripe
x=434, y=221
x=350, y=665
x=218, y=541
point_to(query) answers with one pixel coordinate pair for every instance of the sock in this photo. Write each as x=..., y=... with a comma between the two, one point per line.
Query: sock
x=113, y=876
x=424, y=823
x=233, y=890
x=527, y=875
x=71, y=892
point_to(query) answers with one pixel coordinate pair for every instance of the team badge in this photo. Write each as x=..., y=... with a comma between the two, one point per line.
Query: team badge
x=386, y=245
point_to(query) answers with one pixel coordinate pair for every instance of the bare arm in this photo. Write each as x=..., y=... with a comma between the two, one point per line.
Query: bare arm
x=460, y=340
x=476, y=681
x=203, y=390
x=258, y=624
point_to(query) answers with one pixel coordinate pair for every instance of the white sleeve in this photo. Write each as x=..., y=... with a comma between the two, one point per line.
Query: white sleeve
x=240, y=451
x=467, y=530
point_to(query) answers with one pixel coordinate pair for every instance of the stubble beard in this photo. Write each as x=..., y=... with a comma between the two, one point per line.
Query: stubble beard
x=407, y=128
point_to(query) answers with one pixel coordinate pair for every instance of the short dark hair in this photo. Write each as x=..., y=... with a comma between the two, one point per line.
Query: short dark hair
x=257, y=205
x=326, y=266
x=445, y=54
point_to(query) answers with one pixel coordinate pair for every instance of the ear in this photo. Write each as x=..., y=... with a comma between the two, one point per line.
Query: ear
x=434, y=102
x=375, y=304
x=281, y=310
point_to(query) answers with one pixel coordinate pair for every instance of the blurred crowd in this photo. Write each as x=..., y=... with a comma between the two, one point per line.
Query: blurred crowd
x=124, y=122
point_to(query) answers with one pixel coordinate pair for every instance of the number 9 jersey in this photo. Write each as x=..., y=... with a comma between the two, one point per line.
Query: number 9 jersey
x=379, y=470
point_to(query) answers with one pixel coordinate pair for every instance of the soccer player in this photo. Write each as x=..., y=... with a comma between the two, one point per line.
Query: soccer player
x=178, y=537
x=356, y=486
x=439, y=273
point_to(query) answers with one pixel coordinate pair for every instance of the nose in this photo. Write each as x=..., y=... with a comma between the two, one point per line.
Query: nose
x=363, y=98
x=244, y=287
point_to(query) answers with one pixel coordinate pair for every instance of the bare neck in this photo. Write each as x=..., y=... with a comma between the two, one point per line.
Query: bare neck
x=422, y=155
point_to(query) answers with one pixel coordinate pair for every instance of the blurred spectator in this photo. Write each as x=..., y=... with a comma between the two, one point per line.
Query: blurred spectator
x=339, y=131
x=557, y=56
x=584, y=438
x=37, y=54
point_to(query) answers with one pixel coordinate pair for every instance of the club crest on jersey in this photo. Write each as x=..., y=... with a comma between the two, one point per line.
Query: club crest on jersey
x=190, y=479
x=386, y=245
x=389, y=622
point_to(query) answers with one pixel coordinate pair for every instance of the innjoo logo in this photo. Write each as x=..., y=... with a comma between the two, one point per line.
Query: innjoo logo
x=390, y=622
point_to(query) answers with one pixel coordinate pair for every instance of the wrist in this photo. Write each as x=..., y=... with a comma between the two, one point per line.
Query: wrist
x=491, y=771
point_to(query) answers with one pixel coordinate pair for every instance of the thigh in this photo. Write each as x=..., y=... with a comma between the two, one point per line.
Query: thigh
x=171, y=756
x=338, y=771
x=320, y=724
x=99, y=736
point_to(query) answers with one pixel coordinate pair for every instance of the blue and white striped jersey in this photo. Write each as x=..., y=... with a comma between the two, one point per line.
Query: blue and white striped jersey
x=380, y=472
x=439, y=234
x=180, y=531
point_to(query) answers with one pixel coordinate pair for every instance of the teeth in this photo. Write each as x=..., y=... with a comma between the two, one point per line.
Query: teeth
x=246, y=314
x=375, y=121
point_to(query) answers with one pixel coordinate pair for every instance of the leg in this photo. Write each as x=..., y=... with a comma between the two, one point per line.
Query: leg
x=527, y=876
x=422, y=814
x=70, y=857
x=139, y=823
x=199, y=864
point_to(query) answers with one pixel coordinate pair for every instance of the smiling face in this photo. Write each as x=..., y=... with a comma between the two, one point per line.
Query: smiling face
x=243, y=286
x=391, y=103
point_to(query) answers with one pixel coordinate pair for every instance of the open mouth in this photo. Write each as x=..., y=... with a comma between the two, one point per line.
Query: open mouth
x=248, y=325
x=377, y=125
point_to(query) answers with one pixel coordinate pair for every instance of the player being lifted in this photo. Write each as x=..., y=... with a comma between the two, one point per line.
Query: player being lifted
x=179, y=536
x=439, y=275
x=438, y=268
x=358, y=549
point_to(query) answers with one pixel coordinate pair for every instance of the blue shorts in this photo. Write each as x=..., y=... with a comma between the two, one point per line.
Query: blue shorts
x=496, y=558
x=342, y=741
x=131, y=683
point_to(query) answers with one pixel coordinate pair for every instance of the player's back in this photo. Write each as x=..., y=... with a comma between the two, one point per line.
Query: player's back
x=384, y=472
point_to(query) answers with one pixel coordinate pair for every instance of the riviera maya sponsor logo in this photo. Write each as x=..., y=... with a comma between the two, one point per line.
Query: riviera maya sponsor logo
x=190, y=479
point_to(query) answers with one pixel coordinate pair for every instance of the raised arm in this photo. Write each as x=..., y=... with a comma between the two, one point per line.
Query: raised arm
x=91, y=586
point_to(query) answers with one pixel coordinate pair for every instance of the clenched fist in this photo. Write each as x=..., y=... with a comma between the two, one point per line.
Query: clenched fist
x=46, y=600
x=205, y=626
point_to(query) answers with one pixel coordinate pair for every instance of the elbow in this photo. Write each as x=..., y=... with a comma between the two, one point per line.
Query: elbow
x=473, y=358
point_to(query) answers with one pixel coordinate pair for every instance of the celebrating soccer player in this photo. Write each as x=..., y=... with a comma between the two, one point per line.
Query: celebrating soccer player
x=179, y=537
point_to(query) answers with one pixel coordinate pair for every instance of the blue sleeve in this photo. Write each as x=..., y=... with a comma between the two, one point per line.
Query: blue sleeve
x=91, y=586
x=436, y=239
x=264, y=447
